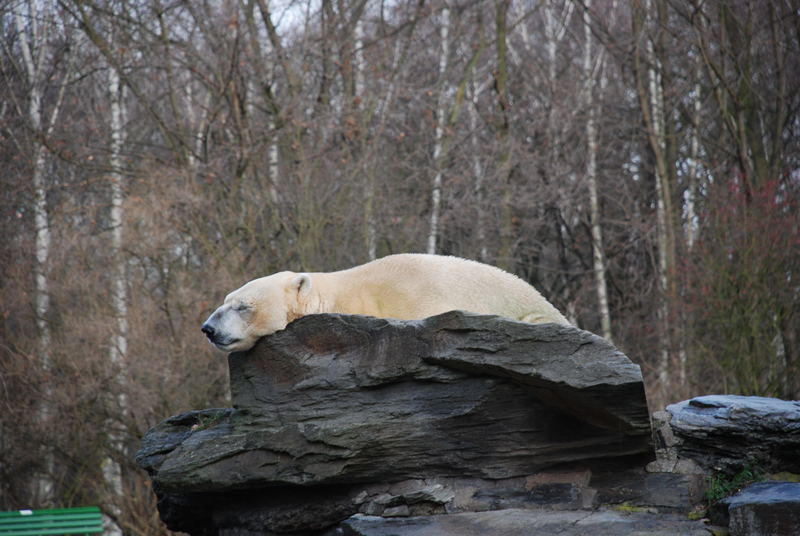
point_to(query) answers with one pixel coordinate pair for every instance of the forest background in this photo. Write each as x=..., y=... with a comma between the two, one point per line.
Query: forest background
x=638, y=161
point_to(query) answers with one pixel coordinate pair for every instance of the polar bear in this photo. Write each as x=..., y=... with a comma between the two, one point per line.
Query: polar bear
x=404, y=286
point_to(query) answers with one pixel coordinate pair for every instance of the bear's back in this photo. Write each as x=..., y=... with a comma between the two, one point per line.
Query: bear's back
x=435, y=284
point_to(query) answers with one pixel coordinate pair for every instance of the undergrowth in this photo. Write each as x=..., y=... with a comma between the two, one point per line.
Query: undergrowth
x=721, y=485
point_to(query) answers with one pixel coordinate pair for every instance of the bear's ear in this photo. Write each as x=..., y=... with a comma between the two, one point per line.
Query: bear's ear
x=302, y=283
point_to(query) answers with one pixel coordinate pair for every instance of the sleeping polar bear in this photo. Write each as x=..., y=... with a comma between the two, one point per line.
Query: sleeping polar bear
x=405, y=286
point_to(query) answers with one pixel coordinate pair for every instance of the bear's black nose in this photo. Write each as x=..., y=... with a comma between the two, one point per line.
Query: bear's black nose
x=208, y=330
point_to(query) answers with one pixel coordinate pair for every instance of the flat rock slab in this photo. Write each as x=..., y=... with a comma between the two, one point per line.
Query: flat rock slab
x=573, y=370
x=763, y=509
x=728, y=432
x=516, y=522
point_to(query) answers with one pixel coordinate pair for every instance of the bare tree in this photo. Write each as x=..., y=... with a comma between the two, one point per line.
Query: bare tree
x=502, y=128
x=555, y=29
x=439, y=133
x=650, y=71
x=590, y=66
x=118, y=348
x=33, y=37
x=474, y=91
x=693, y=171
x=726, y=37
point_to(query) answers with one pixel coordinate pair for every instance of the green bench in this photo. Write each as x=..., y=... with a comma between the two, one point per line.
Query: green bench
x=86, y=520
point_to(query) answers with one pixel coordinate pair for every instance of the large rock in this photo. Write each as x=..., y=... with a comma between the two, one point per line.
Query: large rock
x=334, y=409
x=762, y=509
x=728, y=432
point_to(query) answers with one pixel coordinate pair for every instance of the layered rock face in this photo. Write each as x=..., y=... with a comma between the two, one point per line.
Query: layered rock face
x=728, y=432
x=344, y=414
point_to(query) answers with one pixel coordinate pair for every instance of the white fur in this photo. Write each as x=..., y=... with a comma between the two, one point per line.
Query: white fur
x=405, y=286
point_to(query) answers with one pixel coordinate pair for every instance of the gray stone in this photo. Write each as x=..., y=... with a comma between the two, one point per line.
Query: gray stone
x=433, y=494
x=762, y=509
x=453, y=495
x=553, y=495
x=664, y=491
x=163, y=439
x=574, y=370
x=520, y=522
x=727, y=432
x=336, y=405
x=397, y=511
x=665, y=445
x=385, y=499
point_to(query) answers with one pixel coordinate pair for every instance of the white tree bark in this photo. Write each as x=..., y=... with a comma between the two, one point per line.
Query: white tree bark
x=33, y=68
x=119, y=348
x=658, y=134
x=112, y=470
x=197, y=125
x=694, y=154
x=436, y=188
x=369, y=186
x=273, y=152
x=691, y=224
x=473, y=93
x=32, y=41
x=274, y=164
x=555, y=28
x=358, y=45
x=598, y=255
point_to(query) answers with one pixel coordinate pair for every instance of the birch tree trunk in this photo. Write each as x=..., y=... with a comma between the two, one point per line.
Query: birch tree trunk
x=197, y=125
x=598, y=255
x=691, y=224
x=358, y=53
x=273, y=159
x=369, y=178
x=657, y=136
x=473, y=92
x=649, y=87
x=436, y=189
x=502, y=129
x=45, y=489
x=694, y=155
x=264, y=69
x=112, y=470
x=32, y=41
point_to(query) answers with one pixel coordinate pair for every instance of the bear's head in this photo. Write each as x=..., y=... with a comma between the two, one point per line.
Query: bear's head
x=260, y=307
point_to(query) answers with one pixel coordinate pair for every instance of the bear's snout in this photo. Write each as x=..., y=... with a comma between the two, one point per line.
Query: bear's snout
x=219, y=333
x=209, y=330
